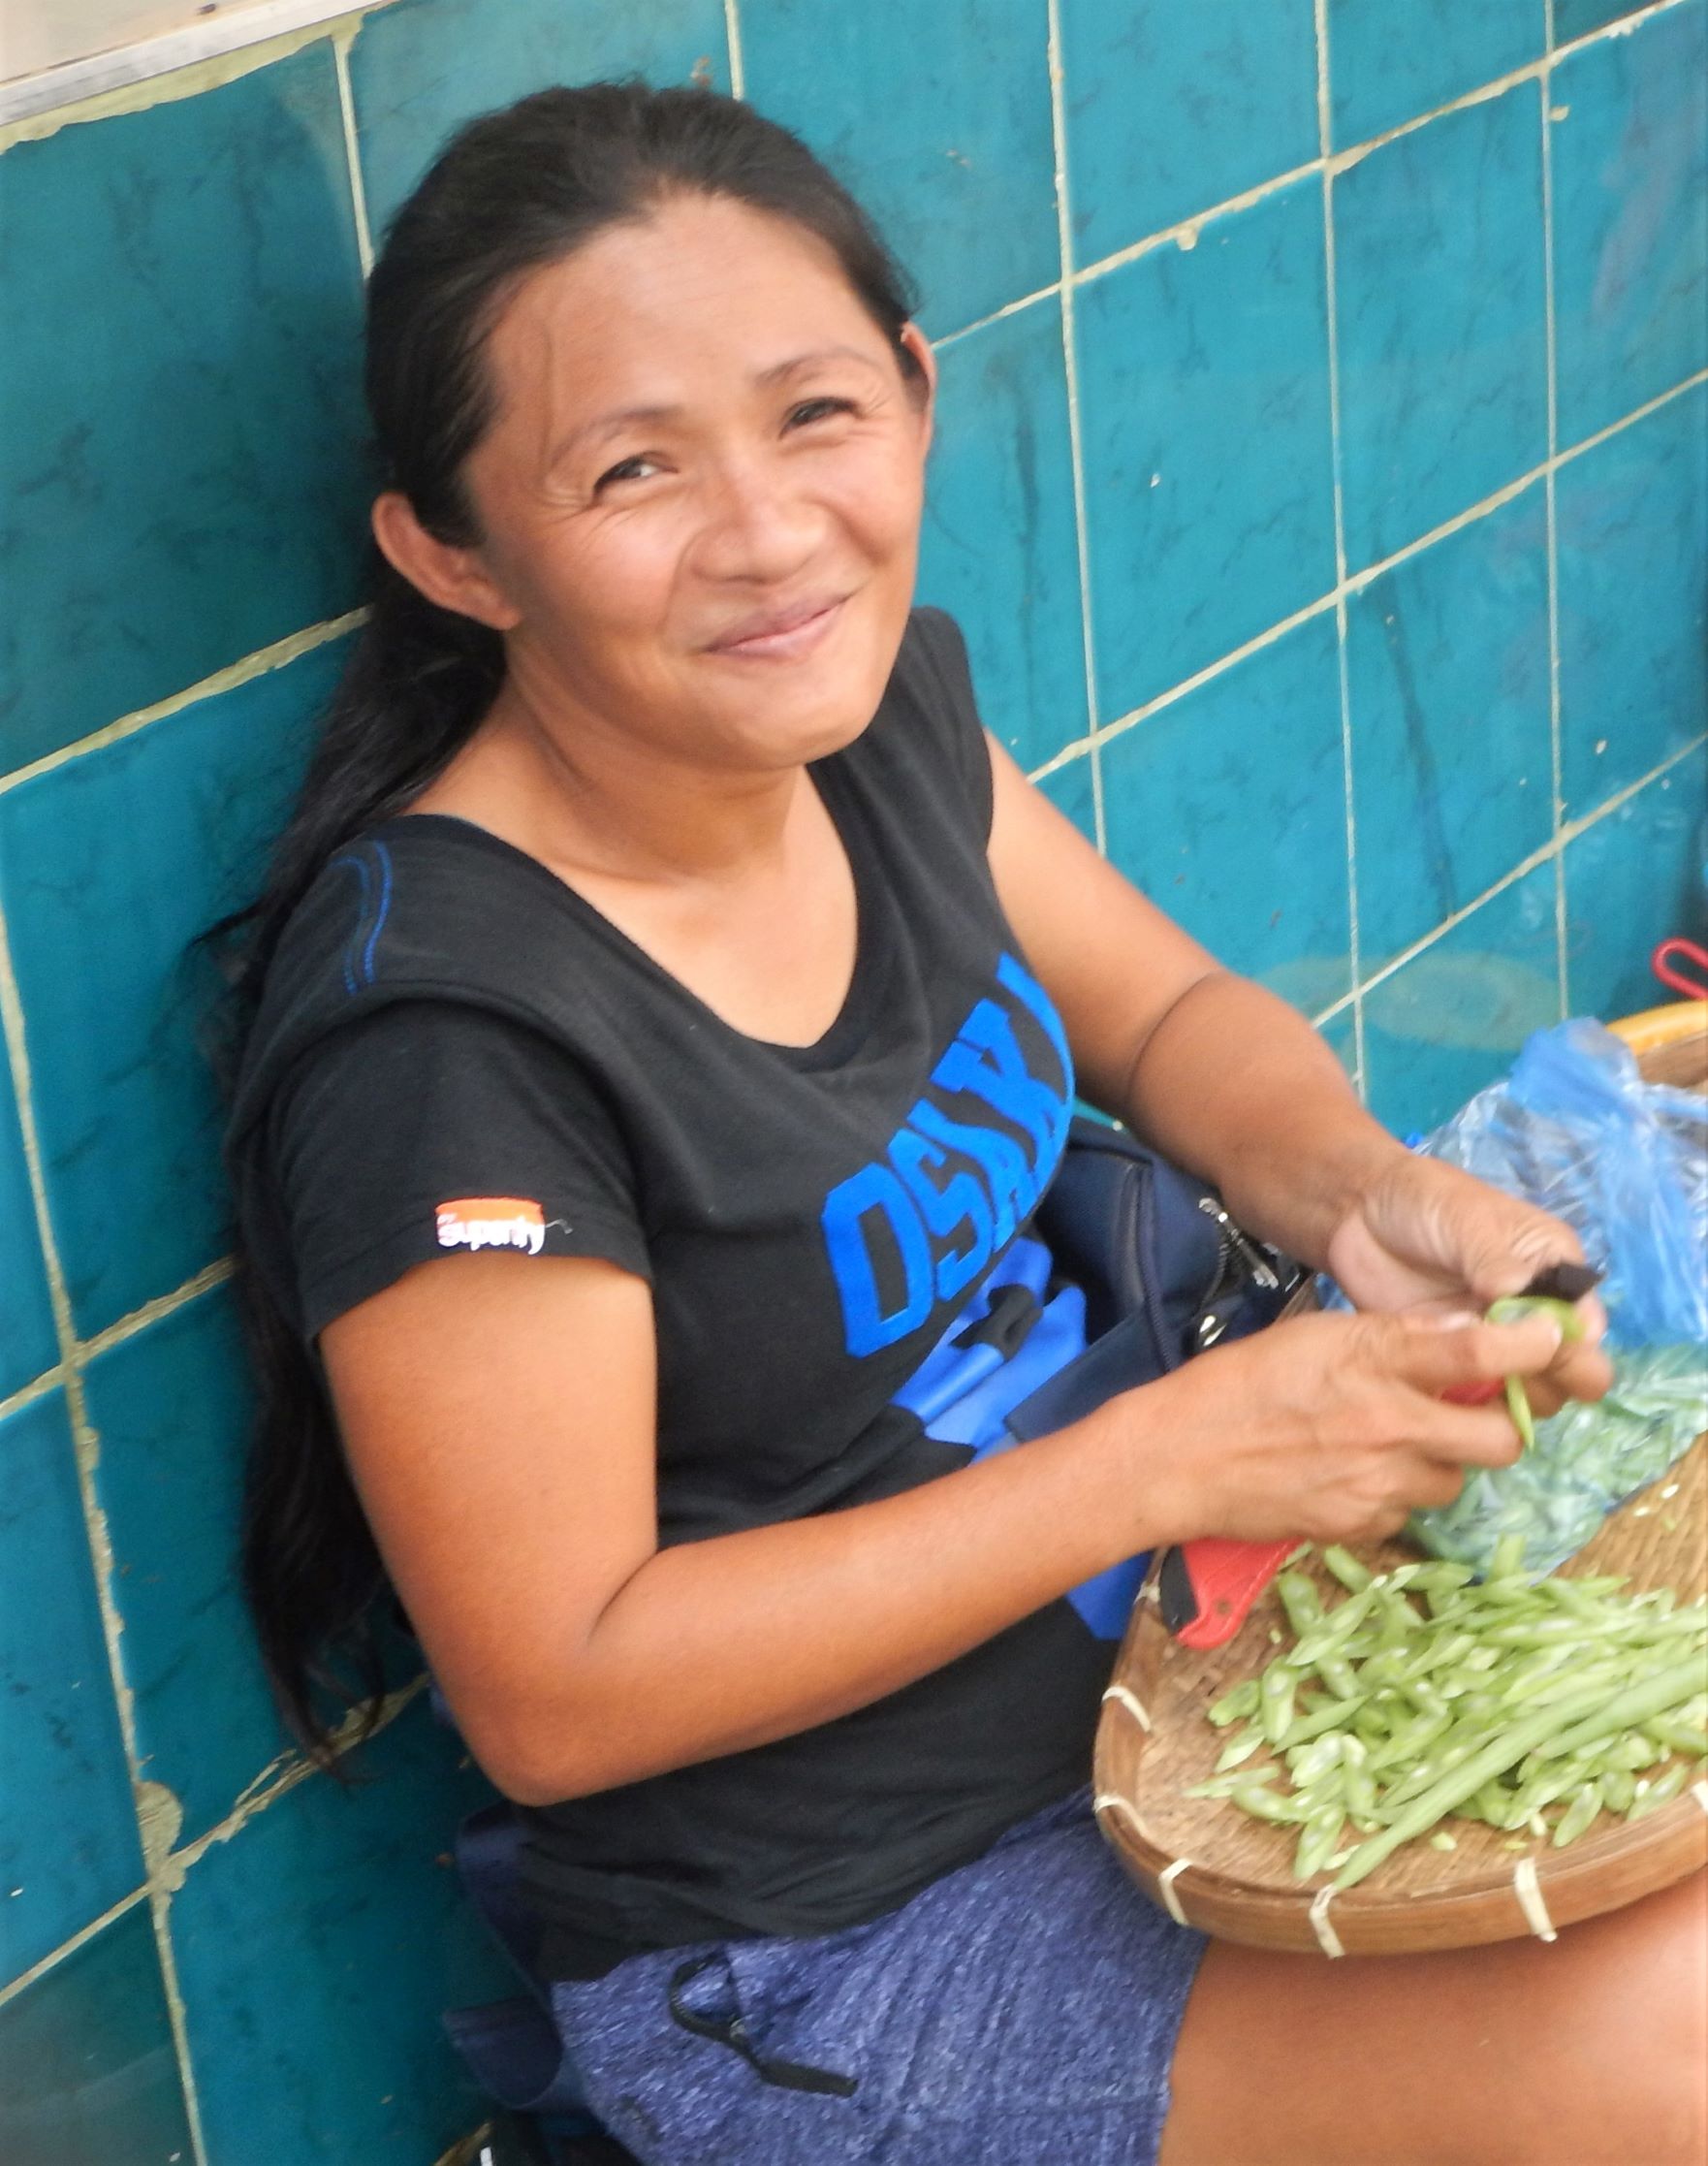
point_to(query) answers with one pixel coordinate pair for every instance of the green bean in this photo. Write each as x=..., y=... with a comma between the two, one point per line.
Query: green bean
x=1660, y=1792
x=1329, y=1716
x=1239, y=1749
x=1238, y=1778
x=1571, y=1718
x=1676, y=1735
x=1508, y=1561
x=1300, y=1600
x=1316, y=1844
x=1308, y=1762
x=1336, y=1671
x=1262, y=1805
x=1235, y=1706
x=1352, y=1576
x=1276, y=1689
x=1627, y=1710
x=1619, y=1789
x=1407, y=1743
x=1580, y=1815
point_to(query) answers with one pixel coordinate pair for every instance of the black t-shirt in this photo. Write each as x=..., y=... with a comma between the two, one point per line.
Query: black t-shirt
x=455, y=1051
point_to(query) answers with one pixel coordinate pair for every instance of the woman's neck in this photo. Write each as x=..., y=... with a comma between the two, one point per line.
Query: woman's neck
x=587, y=799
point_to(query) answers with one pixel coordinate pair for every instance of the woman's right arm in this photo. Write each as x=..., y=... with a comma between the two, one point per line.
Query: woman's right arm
x=498, y=1416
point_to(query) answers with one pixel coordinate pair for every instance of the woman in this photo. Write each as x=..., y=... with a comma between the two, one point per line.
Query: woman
x=668, y=1005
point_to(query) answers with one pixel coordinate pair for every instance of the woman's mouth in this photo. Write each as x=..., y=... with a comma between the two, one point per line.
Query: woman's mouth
x=781, y=635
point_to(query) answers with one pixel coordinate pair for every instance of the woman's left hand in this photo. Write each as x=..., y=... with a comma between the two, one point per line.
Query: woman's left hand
x=1425, y=1234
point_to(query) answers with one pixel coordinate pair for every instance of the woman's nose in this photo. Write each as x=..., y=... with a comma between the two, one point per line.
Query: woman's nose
x=759, y=525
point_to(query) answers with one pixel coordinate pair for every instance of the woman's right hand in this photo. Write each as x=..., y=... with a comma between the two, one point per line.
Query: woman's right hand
x=1332, y=1427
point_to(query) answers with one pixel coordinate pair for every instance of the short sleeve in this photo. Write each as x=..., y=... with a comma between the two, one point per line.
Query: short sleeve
x=428, y=1129
x=955, y=704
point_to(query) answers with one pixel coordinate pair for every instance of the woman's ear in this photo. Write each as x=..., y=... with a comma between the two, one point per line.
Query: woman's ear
x=914, y=341
x=447, y=573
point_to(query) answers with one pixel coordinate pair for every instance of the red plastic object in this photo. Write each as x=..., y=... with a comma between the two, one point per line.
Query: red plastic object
x=1228, y=1577
x=1660, y=963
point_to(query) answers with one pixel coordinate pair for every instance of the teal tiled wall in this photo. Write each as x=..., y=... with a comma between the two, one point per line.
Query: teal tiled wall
x=1322, y=482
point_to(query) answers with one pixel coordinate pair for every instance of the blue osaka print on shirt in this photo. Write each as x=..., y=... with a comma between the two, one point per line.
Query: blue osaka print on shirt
x=960, y=1177
x=941, y=1212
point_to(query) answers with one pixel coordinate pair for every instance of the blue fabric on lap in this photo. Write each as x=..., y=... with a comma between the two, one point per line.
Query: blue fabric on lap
x=1022, y=2009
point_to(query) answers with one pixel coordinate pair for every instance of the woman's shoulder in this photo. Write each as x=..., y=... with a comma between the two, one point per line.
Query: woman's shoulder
x=425, y=912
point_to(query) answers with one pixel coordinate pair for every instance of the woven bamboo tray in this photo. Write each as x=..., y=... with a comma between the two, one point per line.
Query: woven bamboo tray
x=1232, y=1876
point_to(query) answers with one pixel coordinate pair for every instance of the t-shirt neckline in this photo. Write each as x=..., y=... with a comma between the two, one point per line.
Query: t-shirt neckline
x=849, y=1021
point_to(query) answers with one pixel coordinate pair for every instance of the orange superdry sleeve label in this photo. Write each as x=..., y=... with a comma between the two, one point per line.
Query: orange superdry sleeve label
x=491, y=1222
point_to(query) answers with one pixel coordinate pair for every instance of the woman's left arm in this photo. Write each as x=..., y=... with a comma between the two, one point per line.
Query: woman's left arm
x=1226, y=1078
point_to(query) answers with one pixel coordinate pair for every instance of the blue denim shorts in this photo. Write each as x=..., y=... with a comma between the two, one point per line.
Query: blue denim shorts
x=1023, y=2009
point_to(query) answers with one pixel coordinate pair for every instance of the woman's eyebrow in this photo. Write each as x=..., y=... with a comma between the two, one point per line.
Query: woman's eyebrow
x=625, y=417
x=798, y=361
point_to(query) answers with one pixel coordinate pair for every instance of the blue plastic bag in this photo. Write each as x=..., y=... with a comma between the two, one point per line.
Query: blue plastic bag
x=1575, y=1129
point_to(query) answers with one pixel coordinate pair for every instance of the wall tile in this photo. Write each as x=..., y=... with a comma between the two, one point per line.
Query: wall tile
x=180, y=441
x=109, y=866
x=1576, y=18
x=420, y=69
x=1172, y=109
x=998, y=549
x=1452, y=1019
x=1228, y=810
x=1205, y=427
x=1389, y=64
x=1630, y=218
x=316, y=1953
x=938, y=117
x=1071, y=790
x=172, y=1407
x=87, y=2071
x=1447, y=666
x=27, y=1345
x=68, y=1838
x=1443, y=369
x=1633, y=521
x=1636, y=878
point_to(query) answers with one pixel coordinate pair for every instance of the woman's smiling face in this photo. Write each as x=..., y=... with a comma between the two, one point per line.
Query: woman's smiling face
x=699, y=499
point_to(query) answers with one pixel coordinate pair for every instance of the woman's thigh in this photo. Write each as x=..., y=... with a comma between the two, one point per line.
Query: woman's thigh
x=1023, y=2009
x=1590, y=2051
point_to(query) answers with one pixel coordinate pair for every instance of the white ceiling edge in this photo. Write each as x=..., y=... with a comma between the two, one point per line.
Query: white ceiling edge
x=208, y=38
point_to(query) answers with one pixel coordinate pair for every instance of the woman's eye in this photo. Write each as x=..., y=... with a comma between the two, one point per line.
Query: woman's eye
x=819, y=410
x=625, y=469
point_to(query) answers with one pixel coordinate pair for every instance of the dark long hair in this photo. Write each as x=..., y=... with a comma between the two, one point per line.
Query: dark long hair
x=513, y=192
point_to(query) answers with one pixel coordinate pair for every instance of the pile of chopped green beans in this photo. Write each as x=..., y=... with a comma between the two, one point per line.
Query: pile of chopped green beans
x=1423, y=1694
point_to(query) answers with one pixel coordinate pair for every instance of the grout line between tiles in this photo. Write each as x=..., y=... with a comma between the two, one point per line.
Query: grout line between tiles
x=40, y=1386
x=25, y=1978
x=1008, y=308
x=1550, y=515
x=1337, y=482
x=1569, y=832
x=156, y=1310
x=241, y=672
x=145, y=1796
x=343, y=38
x=26, y=1394
x=731, y=32
x=1184, y=232
x=1357, y=581
x=1070, y=373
